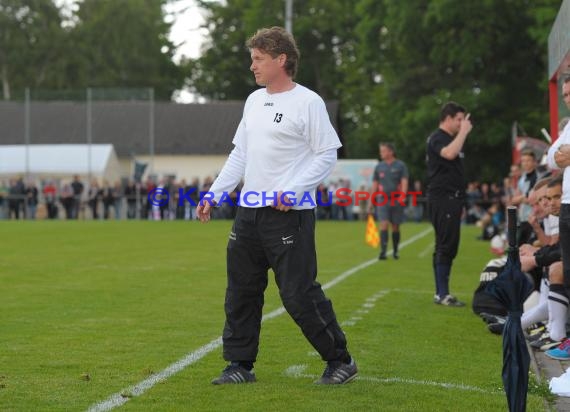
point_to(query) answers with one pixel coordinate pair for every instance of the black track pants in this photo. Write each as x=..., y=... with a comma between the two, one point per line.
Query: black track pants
x=264, y=238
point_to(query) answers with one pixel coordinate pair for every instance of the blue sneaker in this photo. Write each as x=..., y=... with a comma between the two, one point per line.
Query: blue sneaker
x=561, y=352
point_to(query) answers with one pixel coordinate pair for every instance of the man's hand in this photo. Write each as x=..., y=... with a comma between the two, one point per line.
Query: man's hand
x=532, y=220
x=283, y=203
x=527, y=250
x=466, y=125
x=562, y=156
x=203, y=211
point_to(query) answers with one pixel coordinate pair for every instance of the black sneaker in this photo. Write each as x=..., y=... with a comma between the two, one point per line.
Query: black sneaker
x=382, y=256
x=496, y=328
x=448, y=300
x=544, y=342
x=490, y=318
x=235, y=374
x=396, y=256
x=534, y=332
x=338, y=373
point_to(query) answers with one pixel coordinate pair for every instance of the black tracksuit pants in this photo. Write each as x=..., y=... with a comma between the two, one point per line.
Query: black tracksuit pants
x=264, y=238
x=445, y=216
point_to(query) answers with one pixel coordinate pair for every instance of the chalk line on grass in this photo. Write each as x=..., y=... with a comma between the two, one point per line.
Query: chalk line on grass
x=297, y=371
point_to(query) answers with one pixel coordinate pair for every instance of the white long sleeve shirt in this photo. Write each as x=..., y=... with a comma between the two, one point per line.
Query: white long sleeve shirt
x=284, y=142
x=563, y=139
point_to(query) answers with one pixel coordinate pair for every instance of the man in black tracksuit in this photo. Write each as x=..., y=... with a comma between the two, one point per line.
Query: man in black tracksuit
x=446, y=193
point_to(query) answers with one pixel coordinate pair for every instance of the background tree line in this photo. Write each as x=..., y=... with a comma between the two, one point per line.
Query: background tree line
x=103, y=43
x=390, y=63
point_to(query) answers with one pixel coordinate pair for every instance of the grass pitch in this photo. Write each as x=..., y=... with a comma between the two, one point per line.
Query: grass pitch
x=91, y=309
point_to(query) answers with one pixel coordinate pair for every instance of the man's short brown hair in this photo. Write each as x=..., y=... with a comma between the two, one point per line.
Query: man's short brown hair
x=528, y=152
x=275, y=41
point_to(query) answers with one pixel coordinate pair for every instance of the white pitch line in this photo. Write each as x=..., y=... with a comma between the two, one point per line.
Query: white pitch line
x=364, y=265
x=120, y=398
x=296, y=371
x=428, y=249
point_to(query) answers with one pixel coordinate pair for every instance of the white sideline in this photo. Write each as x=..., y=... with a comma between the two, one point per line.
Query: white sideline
x=428, y=249
x=296, y=371
x=120, y=398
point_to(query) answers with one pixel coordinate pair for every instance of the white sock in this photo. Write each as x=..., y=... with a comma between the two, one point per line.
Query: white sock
x=557, y=311
x=544, y=289
x=539, y=313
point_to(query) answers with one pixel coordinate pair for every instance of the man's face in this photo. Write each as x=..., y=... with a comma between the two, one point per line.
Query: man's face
x=264, y=67
x=537, y=200
x=385, y=153
x=554, y=196
x=566, y=93
x=528, y=163
x=543, y=201
x=454, y=123
x=533, y=202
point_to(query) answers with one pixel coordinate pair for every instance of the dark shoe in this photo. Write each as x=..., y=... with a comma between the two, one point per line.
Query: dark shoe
x=234, y=374
x=396, y=256
x=448, y=300
x=534, y=332
x=338, y=373
x=490, y=318
x=496, y=328
x=382, y=256
x=544, y=343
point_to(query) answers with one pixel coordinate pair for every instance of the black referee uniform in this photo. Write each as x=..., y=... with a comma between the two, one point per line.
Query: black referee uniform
x=446, y=198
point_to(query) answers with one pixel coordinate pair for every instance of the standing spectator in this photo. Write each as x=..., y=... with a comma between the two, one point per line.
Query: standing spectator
x=15, y=195
x=50, y=197
x=32, y=199
x=108, y=198
x=131, y=194
x=66, y=197
x=150, y=186
x=118, y=194
x=390, y=176
x=324, y=202
x=4, y=191
x=446, y=194
x=335, y=208
x=284, y=144
x=189, y=208
x=77, y=187
x=180, y=203
x=361, y=211
x=93, y=197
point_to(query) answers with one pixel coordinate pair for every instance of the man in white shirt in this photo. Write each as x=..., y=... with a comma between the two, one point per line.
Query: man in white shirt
x=284, y=147
x=559, y=158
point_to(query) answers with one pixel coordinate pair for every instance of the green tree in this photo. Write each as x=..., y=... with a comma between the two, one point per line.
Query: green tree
x=480, y=54
x=123, y=44
x=31, y=45
x=222, y=70
x=109, y=44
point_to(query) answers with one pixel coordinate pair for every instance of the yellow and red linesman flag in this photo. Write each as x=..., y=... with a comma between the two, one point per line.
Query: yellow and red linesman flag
x=372, y=239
